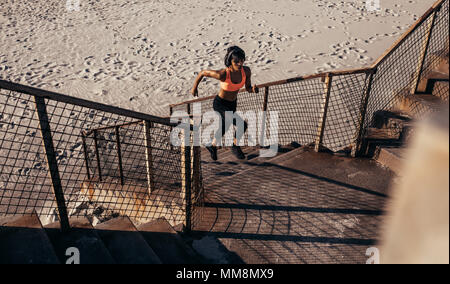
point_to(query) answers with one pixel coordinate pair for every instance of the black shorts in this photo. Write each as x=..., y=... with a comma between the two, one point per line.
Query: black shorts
x=221, y=106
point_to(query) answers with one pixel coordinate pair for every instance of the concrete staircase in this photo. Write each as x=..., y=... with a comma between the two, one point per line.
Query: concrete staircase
x=392, y=130
x=298, y=207
x=228, y=165
x=115, y=241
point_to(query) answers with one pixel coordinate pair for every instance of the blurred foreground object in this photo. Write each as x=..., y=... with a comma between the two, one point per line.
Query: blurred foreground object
x=417, y=229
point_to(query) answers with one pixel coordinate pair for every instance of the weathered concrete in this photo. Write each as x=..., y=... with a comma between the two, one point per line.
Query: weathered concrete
x=81, y=236
x=134, y=201
x=420, y=105
x=125, y=243
x=310, y=208
x=228, y=165
x=24, y=241
x=426, y=81
x=391, y=157
x=166, y=243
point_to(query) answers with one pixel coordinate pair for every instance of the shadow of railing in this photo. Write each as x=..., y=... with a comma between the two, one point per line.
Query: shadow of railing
x=289, y=214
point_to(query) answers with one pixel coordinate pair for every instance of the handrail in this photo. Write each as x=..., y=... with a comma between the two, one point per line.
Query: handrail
x=81, y=102
x=436, y=6
x=89, y=132
x=286, y=81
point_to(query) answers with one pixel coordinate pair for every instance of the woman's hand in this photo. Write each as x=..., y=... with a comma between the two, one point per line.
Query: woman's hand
x=194, y=92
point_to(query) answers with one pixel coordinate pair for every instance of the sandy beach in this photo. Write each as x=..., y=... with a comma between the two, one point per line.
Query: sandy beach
x=144, y=55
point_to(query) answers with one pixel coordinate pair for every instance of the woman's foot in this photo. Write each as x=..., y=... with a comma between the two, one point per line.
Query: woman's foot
x=213, y=151
x=236, y=150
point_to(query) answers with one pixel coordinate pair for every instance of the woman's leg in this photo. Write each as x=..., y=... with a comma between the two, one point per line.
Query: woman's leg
x=238, y=121
x=221, y=107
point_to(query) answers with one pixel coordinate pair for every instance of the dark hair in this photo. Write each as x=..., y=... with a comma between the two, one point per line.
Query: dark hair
x=234, y=52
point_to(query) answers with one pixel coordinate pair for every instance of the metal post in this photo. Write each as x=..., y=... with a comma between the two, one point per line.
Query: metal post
x=186, y=176
x=196, y=160
x=263, y=124
x=86, y=157
x=358, y=137
x=51, y=162
x=148, y=155
x=266, y=98
x=188, y=109
x=323, y=117
x=426, y=44
x=97, y=154
x=119, y=154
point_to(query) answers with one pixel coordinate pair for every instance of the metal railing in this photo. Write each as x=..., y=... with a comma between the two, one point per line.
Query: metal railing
x=333, y=110
x=61, y=156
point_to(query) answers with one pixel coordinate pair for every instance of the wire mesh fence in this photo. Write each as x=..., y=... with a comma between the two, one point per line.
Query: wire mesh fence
x=337, y=116
x=397, y=75
x=439, y=41
x=63, y=156
x=344, y=108
x=103, y=161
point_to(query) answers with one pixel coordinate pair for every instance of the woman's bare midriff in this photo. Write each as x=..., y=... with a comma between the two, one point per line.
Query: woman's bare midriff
x=229, y=96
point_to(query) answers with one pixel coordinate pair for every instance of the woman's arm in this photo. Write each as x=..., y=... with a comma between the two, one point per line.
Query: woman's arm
x=248, y=81
x=216, y=74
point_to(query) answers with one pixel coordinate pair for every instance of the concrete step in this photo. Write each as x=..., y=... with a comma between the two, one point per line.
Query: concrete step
x=206, y=155
x=296, y=211
x=443, y=67
x=379, y=136
x=23, y=240
x=443, y=61
x=228, y=155
x=400, y=123
x=441, y=90
x=4, y=219
x=425, y=83
x=125, y=243
x=285, y=153
x=390, y=119
x=81, y=236
x=391, y=157
x=135, y=200
x=277, y=159
x=419, y=104
x=282, y=150
x=228, y=165
x=167, y=243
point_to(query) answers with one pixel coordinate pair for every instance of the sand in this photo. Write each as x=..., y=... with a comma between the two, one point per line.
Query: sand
x=145, y=55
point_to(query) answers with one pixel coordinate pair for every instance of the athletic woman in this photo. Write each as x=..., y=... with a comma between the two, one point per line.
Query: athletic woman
x=232, y=79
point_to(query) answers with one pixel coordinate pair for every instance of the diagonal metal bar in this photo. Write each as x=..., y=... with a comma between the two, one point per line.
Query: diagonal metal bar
x=51, y=162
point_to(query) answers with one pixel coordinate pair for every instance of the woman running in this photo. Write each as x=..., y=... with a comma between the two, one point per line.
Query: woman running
x=232, y=79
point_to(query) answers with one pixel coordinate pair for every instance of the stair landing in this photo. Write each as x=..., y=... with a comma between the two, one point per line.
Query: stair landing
x=308, y=208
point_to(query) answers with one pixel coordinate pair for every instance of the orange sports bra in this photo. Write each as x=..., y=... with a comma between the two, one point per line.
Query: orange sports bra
x=230, y=86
